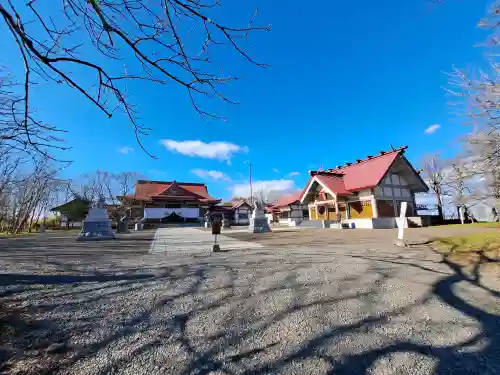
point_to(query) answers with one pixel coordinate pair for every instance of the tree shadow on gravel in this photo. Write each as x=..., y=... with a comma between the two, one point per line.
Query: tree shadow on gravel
x=241, y=314
x=462, y=358
x=9, y=279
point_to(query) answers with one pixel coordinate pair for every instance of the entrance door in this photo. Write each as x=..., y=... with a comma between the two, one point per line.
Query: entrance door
x=332, y=215
x=322, y=213
x=343, y=210
x=172, y=218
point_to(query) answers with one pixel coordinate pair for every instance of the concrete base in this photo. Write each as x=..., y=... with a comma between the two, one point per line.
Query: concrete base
x=400, y=243
x=290, y=222
x=96, y=231
x=310, y=224
x=259, y=225
x=383, y=222
x=122, y=227
x=97, y=226
x=92, y=237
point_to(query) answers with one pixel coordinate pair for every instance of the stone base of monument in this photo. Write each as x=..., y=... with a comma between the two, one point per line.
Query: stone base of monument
x=122, y=227
x=97, y=226
x=259, y=225
x=400, y=243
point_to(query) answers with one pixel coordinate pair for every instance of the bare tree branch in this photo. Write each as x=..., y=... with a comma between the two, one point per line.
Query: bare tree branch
x=170, y=41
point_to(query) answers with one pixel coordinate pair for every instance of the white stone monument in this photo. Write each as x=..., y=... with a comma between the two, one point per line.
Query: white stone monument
x=258, y=221
x=400, y=242
x=97, y=225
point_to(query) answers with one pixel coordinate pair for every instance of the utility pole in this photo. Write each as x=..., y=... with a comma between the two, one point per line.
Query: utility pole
x=250, y=179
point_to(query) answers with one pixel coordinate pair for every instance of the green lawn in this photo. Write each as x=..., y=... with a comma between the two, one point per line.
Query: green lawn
x=480, y=225
x=464, y=250
x=34, y=232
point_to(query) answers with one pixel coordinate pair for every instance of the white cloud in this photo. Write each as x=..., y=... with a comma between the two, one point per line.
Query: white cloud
x=125, y=150
x=291, y=174
x=276, y=170
x=212, y=150
x=271, y=189
x=213, y=175
x=431, y=129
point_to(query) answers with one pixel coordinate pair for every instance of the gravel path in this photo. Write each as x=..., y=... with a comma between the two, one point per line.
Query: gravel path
x=70, y=308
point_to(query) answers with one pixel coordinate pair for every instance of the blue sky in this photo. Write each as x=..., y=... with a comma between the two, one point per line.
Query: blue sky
x=345, y=80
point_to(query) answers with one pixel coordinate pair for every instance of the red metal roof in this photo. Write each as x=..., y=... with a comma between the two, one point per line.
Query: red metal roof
x=335, y=184
x=363, y=174
x=238, y=203
x=149, y=190
x=287, y=200
x=367, y=173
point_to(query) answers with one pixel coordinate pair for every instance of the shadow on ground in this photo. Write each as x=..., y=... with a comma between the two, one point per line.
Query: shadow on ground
x=327, y=311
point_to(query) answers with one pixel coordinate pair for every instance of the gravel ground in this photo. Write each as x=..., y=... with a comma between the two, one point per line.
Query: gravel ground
x=347, y=308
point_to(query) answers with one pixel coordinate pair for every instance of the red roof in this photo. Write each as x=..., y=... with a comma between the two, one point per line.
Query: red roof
x=334, y=184
x=158, y=190
x=363, y=174
x=367, y=173
x=287, y=200
x=238, y=203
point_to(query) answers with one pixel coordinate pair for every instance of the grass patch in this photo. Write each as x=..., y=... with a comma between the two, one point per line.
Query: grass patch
x=465, y=250
x=34, y=232
x=478, y=225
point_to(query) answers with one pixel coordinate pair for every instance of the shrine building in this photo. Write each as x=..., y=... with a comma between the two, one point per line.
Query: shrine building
x=169, y=201
x=367, y=193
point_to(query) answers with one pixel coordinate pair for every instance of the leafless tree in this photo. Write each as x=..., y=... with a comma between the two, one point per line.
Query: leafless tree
x=108, y=186
x=458, y=183
x=485, y=167
x=28, y=195
x=126, y=181
x=480, y=92
x=20, y=132
x=176, y=41
x=435, y=174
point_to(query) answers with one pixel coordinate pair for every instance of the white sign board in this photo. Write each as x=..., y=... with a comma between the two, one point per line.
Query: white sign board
x=159, y=213
x=401, y=221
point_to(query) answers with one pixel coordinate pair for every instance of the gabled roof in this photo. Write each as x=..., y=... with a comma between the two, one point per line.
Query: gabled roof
x=239, y=203
x=333, y=183
x=367, y=173
x=287, y=200
x=76, y=202
x=150, y=190
x=364, y=174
